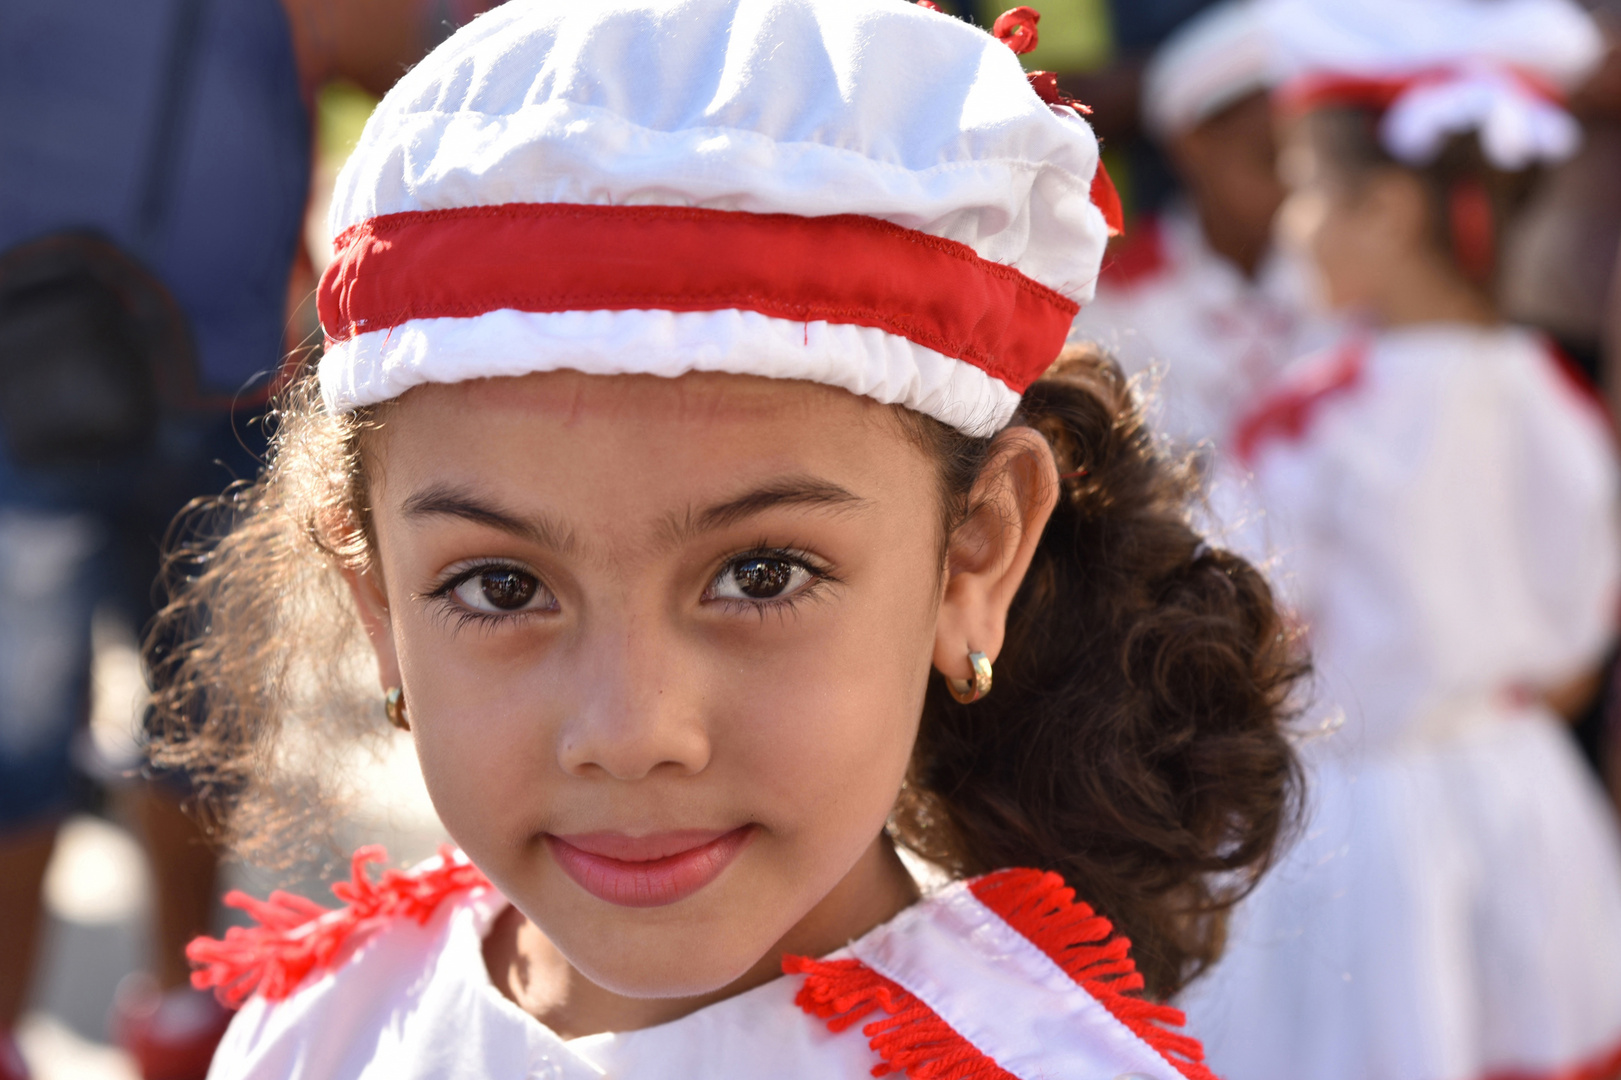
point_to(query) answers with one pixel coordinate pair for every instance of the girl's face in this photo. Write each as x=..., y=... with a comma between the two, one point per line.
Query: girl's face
x=1334, y=221
x=664, y=645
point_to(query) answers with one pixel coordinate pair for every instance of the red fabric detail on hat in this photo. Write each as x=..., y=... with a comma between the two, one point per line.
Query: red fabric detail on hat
x=1016, y=28
x=1106, y=197
x=930, y=5
x=1045, y=83
x=553, y=257
x=1376, y=93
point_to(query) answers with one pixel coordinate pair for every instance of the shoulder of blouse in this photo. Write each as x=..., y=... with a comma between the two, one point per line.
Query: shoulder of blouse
x=1002, y=977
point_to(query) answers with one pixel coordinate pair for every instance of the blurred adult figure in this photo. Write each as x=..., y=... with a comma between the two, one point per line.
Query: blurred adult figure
x=1197, y=296
x=154, y=172
x=1442, y=498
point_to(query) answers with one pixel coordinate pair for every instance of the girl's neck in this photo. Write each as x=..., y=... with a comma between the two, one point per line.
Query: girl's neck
x=1429, y=290
x=526, y=968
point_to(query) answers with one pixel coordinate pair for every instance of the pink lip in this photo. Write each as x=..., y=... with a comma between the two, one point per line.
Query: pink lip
x=647, y=871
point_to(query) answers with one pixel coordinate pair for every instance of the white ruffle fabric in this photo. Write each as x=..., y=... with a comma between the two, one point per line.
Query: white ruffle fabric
x=383, y=364
x=1451, y=913
x=1517, y=127
x=806, y=107
x=415, y=1002
x=1445, y=523
x=875, y=108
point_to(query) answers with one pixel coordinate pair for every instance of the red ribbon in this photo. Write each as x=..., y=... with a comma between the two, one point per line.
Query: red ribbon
x=553, y=257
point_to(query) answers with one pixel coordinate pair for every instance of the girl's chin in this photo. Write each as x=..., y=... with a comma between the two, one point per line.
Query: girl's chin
x=684, y=972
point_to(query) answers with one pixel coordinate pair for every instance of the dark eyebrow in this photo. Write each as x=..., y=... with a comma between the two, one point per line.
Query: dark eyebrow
x=450, y=502
x=791, y=491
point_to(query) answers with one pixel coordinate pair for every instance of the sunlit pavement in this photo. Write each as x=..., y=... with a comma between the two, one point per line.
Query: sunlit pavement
x=97, y=890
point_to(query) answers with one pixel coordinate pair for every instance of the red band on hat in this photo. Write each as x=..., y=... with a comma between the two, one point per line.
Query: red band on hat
x=1377, y=93
x=546, y=257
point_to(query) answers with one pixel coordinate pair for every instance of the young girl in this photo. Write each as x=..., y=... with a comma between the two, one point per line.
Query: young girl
x=1443, y=498
x=679, y=450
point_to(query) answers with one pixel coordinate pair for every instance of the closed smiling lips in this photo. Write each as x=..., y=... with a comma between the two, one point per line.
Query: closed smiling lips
x=647, y=871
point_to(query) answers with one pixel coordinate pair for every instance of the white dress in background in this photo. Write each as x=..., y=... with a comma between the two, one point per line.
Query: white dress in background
x=1207, y=339
x=1001, y=978
x=1442, y=505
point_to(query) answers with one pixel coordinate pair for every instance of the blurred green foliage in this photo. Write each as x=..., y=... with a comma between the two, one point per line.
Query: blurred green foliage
x=1075, y=34
x=341, y=112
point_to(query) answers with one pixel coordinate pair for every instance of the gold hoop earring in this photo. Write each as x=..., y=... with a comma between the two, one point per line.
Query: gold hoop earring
x=968, y=691
x=394, y=708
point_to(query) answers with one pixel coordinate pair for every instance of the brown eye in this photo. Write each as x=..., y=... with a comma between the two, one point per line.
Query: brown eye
x=760, y=578
x=499, y=589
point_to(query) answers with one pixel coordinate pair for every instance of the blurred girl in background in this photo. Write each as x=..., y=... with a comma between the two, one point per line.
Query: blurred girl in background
x=1442, y=495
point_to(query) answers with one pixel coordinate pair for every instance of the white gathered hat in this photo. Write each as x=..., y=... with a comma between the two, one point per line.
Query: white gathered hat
x=1214, y=60
x=862, y=193
x=1439, y=68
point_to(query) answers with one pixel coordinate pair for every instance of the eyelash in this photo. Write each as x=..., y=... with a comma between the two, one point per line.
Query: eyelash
x=821, y=577
x=464, y=616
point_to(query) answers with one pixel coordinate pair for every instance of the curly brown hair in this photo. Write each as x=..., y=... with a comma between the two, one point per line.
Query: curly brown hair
x=1136, y=740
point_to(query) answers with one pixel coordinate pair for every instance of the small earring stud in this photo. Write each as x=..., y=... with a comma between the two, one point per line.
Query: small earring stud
x=968, y=691
x=394, y=708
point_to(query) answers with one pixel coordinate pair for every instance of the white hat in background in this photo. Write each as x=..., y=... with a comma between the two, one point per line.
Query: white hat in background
x=862, y=193
x=1214, y=60
x=1438, y=68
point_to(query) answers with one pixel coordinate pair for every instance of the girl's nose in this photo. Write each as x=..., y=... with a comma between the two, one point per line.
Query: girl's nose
x=640, y=711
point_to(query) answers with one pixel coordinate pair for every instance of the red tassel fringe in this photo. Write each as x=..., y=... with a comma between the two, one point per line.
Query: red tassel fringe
x=911, y=1039
x=1042, y=908
x=296, y=936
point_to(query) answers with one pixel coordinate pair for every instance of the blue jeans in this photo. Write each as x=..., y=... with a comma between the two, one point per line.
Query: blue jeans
x=72, y=540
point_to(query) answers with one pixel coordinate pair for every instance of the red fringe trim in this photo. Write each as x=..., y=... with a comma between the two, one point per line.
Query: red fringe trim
x=909, y=1037
x=912, y=1039
x=1042, y=908
x=296, y=936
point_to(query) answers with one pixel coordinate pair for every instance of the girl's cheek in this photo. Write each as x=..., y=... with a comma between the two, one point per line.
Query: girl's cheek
x=1312, y=226
x=1300, y=221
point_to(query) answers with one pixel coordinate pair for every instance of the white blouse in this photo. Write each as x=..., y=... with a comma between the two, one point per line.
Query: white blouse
x=954, y=986
x=1441, y=508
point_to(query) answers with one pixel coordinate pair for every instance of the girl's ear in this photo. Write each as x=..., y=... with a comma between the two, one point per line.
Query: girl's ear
x=989, y=554
x=366, y=586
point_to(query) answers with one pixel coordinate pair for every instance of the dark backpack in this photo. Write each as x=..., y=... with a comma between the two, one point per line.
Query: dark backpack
x=92, y=349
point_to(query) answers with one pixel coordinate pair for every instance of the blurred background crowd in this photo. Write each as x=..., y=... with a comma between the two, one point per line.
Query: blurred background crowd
x=164, y=170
